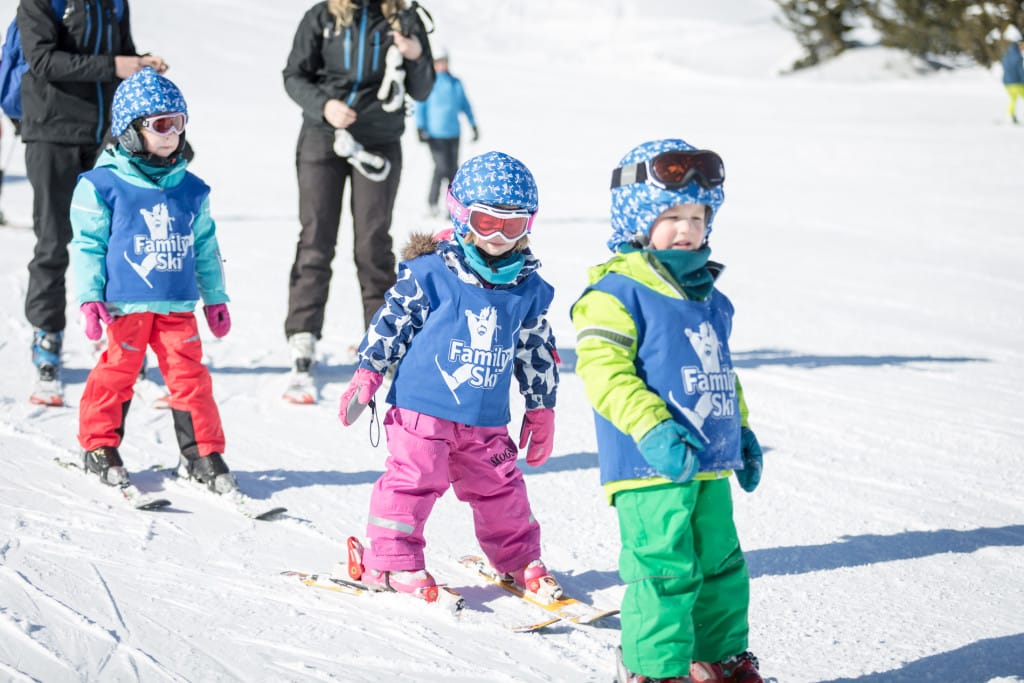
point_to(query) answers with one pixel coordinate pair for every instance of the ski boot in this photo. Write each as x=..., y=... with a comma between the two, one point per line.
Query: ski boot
x=301, y=388
x=106, y=463
x=624, y=675
x=210, y=470
x=46, y=348
x=742, y=668
x=417, y=582
x=536, y=580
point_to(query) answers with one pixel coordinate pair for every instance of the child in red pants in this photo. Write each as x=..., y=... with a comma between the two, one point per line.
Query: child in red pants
x=144, y=252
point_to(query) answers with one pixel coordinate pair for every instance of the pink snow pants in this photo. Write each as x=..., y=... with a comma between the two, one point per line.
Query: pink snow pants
x=428, y=453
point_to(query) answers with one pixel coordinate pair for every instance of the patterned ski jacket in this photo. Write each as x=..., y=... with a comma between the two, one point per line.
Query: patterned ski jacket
x=629, y=394
x=405, y=313
x=173, y=252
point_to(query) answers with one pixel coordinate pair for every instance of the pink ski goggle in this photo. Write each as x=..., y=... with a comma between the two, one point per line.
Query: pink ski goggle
x=165, y=124
x=488, y=222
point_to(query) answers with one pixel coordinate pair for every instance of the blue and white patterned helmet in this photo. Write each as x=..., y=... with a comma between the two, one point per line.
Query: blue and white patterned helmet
x=635, y=207
x=495, y=179
x=144, y=93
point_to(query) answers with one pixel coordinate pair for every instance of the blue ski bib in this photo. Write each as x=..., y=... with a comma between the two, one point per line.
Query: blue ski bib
x=151, y=254
x=459, y=366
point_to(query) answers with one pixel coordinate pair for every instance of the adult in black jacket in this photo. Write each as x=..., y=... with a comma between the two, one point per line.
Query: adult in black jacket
x=75, y=64
x=349, y=69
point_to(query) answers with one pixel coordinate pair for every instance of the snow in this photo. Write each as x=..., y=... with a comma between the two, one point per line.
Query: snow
x=872, y=232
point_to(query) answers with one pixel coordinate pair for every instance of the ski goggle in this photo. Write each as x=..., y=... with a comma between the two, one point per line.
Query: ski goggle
x=488, y=222
x=165, y=124
x=674, y=170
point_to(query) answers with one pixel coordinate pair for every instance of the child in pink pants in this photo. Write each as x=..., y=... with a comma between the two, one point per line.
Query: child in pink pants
x=476, y=309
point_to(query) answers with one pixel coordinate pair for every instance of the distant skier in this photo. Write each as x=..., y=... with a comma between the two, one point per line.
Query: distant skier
x=144, y=251
x=467, y=314
x=652, y=350
x=438, y=125
x=1013, y=70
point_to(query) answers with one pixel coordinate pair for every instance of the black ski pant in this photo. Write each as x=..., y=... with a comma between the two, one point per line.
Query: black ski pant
x=52, y=170
x=445, y=152
x=322, y=177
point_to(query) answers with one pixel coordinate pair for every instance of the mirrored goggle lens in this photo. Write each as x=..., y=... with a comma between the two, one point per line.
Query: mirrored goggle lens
x=486, y=222
x=165, y=124
x=675, y=169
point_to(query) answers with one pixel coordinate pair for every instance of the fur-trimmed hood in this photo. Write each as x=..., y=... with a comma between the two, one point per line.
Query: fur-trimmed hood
x=419, y=244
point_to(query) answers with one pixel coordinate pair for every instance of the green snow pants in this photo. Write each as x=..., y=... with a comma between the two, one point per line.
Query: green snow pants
x=687, y=585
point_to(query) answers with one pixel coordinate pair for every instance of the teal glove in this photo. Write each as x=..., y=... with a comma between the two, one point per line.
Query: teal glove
x=671, y=449
x=753, y=461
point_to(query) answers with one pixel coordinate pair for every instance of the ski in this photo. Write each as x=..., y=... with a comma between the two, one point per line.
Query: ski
x=49, y=393
x=565, y=609
x=130, y=493
x=301, y=389
x=445, y=597
x=248, y=506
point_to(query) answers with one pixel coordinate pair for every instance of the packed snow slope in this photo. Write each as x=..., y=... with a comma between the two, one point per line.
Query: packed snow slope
x=873, y=237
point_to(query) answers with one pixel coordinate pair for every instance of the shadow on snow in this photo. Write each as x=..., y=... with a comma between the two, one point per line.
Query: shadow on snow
x=982, y=660
x=856, y=551
x=764, y=357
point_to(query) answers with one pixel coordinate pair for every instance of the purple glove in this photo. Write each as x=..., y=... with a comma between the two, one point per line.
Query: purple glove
x=94, y=312
x=218, y=319
x=539, y=431
x=358, y=395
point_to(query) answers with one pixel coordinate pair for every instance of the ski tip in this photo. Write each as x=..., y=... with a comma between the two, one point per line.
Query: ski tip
x=299, y=399
x=271, y=514
x=158, y=504
x=47, y=401
x=530, y=628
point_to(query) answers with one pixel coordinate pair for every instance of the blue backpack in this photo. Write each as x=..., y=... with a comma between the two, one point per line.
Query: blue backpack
x=13, y=64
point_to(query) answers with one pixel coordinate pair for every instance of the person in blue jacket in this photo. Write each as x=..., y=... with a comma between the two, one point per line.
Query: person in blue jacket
x=1013, y=72
x=145, y=252
x=438, y=125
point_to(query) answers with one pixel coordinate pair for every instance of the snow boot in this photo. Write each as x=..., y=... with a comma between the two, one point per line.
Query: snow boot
x=210, y=470
x=418, y=582
x=106, y=463
x=742, y=668
x=536, y=580
x=624, y=675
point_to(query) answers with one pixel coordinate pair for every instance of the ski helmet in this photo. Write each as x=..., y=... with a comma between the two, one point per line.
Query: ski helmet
x=495, y=179
x=636, y=206
x=144, y=93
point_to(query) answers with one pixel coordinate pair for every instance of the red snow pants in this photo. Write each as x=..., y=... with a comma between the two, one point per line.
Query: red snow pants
x=174, y=338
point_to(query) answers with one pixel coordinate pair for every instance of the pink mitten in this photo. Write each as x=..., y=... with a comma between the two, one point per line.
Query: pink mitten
x=94, y=312
x=358, y=395
x=218, y=319
x=539, y=431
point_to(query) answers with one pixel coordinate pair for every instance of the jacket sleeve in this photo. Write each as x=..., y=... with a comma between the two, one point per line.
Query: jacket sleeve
x=606, y=347
x=39, y=41
x=536, y=365
x=419, y=73
x=209, y=264
x=421, y=115
x=395, y=323
x=464, y=106
x=304, y=62
x=90, y=225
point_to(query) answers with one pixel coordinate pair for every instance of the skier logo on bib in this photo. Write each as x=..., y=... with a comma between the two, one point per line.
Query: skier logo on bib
x=163, y=250
x=481, y=361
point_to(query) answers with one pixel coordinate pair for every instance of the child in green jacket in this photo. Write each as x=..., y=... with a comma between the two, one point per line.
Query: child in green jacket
x=653, y=354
